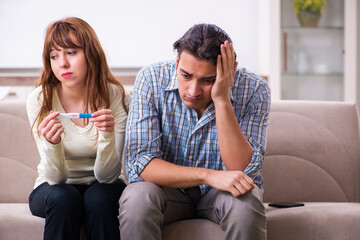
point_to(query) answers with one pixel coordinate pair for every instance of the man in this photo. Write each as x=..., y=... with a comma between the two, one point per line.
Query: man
x=195, y=141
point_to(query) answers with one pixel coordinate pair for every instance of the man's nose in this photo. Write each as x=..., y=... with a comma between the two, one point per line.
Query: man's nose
x=194, y=88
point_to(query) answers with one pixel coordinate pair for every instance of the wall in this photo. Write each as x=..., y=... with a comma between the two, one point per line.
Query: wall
x=133, y=33
x=358, y=57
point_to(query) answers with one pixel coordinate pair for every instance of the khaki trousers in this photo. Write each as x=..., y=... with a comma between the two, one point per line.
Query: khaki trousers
x=145, y=207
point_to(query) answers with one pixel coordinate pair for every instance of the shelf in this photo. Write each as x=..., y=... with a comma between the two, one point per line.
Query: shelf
x=312, y=74
x=317, y=63
x=297, y=28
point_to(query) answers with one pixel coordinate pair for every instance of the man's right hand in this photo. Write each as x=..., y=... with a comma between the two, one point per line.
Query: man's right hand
x=51, y=128
x=235, y=182
x=170, y=175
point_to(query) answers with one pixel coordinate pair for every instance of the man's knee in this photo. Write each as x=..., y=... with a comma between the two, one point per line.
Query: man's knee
x=244, y=215
x=139, y=190
x=245, y=209
x=140, y=197
x=141, y=211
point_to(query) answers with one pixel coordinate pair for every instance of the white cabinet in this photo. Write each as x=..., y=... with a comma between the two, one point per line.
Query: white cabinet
x=314, y=63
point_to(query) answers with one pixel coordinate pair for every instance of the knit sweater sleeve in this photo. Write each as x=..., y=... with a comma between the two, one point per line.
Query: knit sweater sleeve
x=110, y=145
x=52, y=156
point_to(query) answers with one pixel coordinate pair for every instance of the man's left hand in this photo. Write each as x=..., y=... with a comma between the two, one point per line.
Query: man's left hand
x=225, y=72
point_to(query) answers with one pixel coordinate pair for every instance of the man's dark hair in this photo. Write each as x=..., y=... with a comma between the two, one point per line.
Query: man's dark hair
x=203, y=41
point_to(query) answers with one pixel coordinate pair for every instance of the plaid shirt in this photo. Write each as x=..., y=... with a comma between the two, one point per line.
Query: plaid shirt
x=160, y=126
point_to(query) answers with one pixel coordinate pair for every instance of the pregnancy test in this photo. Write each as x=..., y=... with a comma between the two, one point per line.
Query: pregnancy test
x=75, y=115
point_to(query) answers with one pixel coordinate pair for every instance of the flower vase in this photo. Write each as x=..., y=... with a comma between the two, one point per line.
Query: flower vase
x=308, y=19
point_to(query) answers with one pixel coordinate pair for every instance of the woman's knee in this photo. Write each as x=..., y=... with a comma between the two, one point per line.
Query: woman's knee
x=64, y=199
x=100, y=195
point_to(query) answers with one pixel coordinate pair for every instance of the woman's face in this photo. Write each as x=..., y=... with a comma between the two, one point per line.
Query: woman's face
x=69, y=65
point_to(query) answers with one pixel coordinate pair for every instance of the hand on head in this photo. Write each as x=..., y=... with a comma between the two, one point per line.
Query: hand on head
x=225, y=72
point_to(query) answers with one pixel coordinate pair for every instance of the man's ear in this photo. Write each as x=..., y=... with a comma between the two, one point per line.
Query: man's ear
x=177, y=60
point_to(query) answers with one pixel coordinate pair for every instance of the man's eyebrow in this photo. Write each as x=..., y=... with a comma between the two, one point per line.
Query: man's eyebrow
x=203, y=78
x=208, y=78
x=185, y=72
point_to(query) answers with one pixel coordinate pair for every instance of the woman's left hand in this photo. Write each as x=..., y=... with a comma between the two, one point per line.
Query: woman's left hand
x=103, y=120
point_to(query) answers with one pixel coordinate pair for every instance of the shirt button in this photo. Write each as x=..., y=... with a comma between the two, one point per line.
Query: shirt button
x=190, y=158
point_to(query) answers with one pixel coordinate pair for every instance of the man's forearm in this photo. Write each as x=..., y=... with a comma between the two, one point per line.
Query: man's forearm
x=170, y=175
x=235, y=150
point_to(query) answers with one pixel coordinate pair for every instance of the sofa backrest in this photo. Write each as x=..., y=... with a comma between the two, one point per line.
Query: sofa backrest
x=313, y=152
x=18, y=153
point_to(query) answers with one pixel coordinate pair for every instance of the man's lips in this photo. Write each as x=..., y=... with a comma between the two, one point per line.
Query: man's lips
x=192, y=99
x=66, y=74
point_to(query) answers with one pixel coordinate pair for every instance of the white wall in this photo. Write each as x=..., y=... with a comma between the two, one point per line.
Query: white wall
x=358, y=57
x=134, y=33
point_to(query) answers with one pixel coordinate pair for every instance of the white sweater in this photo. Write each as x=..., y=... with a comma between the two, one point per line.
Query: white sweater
x=80, y=158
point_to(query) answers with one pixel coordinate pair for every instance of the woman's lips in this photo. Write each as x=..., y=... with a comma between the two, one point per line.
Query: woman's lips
x=66, y=75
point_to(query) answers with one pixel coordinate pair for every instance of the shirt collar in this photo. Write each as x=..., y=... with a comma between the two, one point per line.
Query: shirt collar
x=173, y=83
x=232, y=98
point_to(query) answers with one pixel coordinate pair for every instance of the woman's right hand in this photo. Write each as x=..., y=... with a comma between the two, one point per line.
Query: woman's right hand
x=51, y=128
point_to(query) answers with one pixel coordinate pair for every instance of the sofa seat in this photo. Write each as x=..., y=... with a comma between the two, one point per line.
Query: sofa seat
x=282, y=223
x=315, y=220
x=13, y=215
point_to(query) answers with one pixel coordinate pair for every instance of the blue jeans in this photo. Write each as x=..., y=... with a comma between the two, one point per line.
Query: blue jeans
x=67, y=207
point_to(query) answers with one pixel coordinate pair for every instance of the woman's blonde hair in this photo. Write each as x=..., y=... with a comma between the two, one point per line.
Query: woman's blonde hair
x=98, y=72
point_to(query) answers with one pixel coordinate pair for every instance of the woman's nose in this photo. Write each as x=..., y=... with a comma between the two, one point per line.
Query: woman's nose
x=64, y=63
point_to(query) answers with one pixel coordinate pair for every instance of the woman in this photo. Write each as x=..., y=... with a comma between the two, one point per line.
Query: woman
x=78, y=182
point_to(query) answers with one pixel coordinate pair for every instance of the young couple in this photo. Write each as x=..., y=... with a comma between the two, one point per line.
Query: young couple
x=194, y=133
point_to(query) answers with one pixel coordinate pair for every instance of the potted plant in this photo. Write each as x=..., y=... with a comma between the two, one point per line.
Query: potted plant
x=308, y=11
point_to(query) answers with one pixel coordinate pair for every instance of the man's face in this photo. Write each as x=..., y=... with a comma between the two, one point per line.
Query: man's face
x=195, y=80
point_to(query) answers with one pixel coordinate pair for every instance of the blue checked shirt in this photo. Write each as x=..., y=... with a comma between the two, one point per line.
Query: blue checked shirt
x=159, y=125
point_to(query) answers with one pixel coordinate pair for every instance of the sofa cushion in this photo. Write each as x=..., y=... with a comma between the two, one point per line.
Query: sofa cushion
x=16, y=142
x=17, y=181
x=312, y=152
x=17, y=222
x=18, y=154
x=320, y=221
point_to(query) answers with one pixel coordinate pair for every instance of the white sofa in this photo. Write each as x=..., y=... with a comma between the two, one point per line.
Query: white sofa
x=313, y=156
